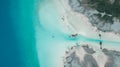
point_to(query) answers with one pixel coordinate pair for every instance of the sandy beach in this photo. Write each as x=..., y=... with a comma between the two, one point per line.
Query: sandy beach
x=59, y=21
x=81, y=24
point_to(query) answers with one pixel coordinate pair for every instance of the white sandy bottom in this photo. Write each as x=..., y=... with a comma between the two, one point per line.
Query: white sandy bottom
x=51, y=43
x=81, y=24
x=51, y=50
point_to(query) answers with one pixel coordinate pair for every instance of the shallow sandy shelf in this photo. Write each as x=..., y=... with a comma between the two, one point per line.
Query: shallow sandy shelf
x=81, y=24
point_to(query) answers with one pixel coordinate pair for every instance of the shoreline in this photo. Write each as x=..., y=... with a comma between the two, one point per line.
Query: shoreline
x=74, y=19
x=100, y=57
x=53, y=47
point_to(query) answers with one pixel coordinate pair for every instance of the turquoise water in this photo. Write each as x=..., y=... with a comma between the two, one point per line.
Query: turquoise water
x=51, y=39
x=32, y=35
x=17, y=34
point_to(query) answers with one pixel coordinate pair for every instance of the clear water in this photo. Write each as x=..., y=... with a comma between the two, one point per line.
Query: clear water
x=32, y=33
x=52, y=41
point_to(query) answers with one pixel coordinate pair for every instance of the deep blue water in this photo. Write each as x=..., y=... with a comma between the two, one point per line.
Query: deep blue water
x=17, y=42
x=9, y=49
x=18, y=37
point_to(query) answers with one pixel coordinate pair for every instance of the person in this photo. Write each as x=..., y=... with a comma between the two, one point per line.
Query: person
x=100, y=36
x=100, y=44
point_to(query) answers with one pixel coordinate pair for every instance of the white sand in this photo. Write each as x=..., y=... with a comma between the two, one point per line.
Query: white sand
x=72, y=23
x=99, y=56
x=51, y=50
x=81, y=24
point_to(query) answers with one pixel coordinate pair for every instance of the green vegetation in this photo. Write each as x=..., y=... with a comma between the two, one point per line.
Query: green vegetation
x=111, y=7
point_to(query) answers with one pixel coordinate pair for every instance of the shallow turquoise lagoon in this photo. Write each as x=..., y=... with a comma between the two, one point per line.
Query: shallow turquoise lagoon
x=33, y=35
x=51, y=38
